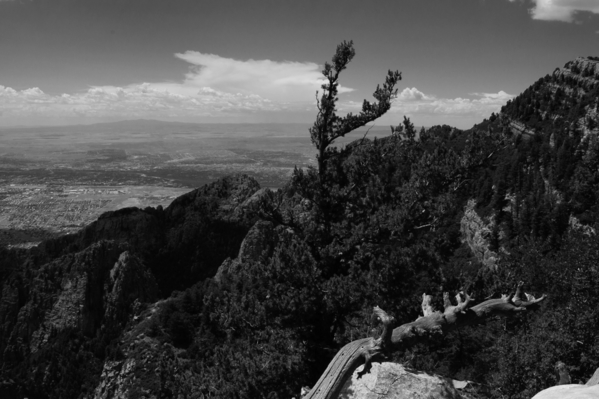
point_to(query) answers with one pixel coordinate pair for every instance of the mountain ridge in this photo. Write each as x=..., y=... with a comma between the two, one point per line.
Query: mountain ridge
x=238, y=291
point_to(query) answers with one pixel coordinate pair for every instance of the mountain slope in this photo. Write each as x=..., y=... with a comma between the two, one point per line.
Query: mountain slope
x=297, y=270
x=182, y=244
x=79, y=291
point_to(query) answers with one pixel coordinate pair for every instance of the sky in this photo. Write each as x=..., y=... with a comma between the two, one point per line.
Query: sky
x=240, y=61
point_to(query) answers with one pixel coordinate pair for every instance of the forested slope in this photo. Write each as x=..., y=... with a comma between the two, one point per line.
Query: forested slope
x=512, y=199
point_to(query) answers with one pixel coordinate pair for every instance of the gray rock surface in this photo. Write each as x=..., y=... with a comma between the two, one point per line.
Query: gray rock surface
x=569, y=391
x=594, y=380
x=476, y=233
x=393, y=381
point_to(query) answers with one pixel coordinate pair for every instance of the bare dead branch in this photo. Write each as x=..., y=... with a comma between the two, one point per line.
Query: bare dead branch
x=431, y=325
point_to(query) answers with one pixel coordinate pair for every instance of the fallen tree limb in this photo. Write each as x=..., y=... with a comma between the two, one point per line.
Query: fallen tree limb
x=432, y=324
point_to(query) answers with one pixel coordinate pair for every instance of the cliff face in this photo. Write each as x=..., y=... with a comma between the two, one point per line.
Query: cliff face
x=476, y=232
x=68, y=310
x=147, y=365
x=584, y=70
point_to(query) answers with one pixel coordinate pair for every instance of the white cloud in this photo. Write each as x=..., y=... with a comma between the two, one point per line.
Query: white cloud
x=277, y=81
x=136, y=101
x=561, y=10
x=414, y=102
x=412, y=94
x=214, y=87
x=427, y=109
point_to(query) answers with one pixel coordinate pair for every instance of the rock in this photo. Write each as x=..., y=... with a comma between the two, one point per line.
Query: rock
x=393, y=381
x=476, y=232
x=260, y=238
x=149, y=368
x=573, y=391
x=594, y=379
x=569, y=391
x=129, y=281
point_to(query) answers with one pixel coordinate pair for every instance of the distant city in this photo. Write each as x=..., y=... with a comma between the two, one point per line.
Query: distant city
x=56, y=180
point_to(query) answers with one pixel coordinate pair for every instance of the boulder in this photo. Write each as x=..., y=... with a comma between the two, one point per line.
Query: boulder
x=594, y=380
x=573, y=391
x=569, y=391
x=393, y=381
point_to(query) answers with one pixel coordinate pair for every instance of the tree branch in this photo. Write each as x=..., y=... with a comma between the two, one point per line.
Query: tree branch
x=427, y=327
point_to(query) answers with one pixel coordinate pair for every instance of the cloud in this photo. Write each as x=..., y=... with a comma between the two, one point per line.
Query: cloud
x=412, y=94
x=135, y=101
x=414, y=102
x=561, y=10
x=428, y=109
x=277, y=81
x=33, y=106
x=214, y=86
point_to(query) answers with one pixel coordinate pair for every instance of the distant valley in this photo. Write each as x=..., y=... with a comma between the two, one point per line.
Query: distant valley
x=55, y=180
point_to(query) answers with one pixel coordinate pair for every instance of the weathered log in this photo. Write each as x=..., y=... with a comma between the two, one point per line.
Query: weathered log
x=431, y=324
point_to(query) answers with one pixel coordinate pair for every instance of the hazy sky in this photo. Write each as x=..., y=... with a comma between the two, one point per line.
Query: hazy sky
x=85, y=61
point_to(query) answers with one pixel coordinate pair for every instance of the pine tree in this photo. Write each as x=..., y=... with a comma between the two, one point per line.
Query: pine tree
x=328, y=125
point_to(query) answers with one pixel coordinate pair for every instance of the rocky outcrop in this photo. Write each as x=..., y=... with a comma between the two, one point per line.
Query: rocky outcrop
x=476, y=232
x=64, y=294
x=564, y=102
x=88, y=291
x=260, y=240
x=583, y=69
x=149, y=367
x=585, y=72
x=570, y=391
x=393, y=381
x=590, y=390
x=520, y=128
x=129, y=283
x=68, y=310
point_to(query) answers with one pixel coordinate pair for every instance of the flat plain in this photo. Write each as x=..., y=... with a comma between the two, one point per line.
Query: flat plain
x=55, y=180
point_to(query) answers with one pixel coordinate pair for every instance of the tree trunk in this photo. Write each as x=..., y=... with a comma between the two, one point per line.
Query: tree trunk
x=431, y=324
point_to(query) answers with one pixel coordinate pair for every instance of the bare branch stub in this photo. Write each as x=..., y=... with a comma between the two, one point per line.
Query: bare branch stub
x=427, y=305
x=446, y=301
